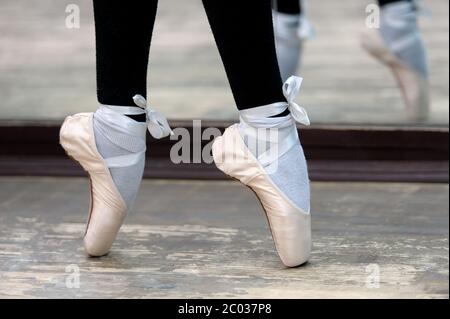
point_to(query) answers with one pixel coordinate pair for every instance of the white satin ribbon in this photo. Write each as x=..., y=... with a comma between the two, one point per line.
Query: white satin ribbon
x=115, y=117
x=291, y=89
x=158, y=125
x=266, y=116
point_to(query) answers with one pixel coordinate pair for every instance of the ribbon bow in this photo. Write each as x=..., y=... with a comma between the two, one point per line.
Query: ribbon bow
x=291, y=88
x=157, y=123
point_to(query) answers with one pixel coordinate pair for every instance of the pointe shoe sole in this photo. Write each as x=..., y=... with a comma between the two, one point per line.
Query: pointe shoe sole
x=414, y=87
x=289, y=225
x=107, y=209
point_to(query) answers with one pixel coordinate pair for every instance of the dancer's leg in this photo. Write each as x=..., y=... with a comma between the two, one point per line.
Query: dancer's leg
x=288, y=6
x=278, y=173
x=123, y=36
x=385, y=2
x=110, y=144
x=244, y=34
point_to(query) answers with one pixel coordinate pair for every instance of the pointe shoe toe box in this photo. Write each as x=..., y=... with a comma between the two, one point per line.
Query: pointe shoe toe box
x=104, y=225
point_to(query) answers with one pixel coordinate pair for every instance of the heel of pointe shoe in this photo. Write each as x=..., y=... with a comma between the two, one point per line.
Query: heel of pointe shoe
x=220, y=155
x=232, y=157
x=75, y=137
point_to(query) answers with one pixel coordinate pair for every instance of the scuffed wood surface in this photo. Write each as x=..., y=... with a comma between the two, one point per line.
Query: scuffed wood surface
x=209, y=239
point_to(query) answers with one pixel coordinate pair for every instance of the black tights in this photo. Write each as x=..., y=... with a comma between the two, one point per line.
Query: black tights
x=243, y=31
x=294, y=6
x=288, y=6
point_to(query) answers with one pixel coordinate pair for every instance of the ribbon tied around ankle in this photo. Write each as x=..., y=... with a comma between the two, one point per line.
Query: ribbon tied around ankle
x=291, y=89
x=158, y=125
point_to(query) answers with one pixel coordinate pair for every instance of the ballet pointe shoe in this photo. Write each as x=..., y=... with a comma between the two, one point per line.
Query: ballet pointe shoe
x=414, y=86
x=290, y=226
x=107, y=209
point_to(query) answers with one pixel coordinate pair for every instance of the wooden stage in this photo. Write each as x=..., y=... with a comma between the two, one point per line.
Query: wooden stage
x=188, y=239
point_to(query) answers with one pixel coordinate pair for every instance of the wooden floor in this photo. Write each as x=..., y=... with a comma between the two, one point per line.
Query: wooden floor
x=210, y=239
x=47, y=71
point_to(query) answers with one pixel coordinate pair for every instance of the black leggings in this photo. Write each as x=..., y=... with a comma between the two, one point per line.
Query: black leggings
x=294, y=6
x=243, y=31
x=287, y=6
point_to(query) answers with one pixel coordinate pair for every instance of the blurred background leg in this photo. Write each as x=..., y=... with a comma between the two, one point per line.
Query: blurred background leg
x=398, y=43
x=291, y=30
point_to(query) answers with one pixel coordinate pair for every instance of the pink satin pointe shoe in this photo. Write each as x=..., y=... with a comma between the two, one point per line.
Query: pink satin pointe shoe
x=107, y=209
x=290, y=225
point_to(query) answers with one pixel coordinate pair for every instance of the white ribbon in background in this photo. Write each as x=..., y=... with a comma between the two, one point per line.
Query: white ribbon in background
x=291, y=89
x=158, y=125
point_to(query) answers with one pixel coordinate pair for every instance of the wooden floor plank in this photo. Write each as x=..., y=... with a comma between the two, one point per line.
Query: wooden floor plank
x=210, y=239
